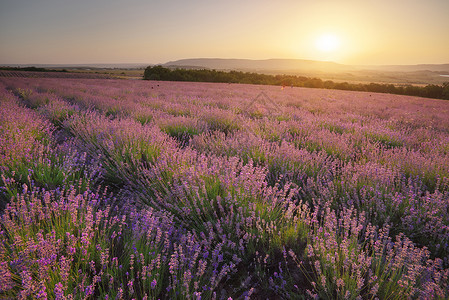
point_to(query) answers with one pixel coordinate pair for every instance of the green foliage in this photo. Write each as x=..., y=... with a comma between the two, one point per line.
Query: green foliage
x=24, y=93
x=333, y=128
x=144, y=118
x=221, y=123
x=384, y=139
x=31, y=69
x=205, y=75
x=181, y=132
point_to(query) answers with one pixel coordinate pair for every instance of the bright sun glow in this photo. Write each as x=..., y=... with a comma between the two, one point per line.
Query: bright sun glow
x=327, y=43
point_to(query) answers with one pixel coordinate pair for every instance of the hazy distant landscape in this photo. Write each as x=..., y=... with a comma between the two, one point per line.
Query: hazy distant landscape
x=394, y=74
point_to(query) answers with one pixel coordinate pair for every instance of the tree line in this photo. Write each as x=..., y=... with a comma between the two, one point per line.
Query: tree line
x=31, y=69
x=204, y=75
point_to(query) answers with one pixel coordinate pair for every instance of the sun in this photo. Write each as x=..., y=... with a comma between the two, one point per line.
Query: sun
x=327, y=43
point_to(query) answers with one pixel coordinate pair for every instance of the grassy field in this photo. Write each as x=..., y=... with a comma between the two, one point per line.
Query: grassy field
x=120, y=189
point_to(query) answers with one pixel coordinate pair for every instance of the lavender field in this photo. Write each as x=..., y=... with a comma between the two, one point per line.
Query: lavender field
x=119, y=189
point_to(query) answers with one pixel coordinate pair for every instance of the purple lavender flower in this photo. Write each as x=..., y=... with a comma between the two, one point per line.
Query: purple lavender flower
x=153, y=284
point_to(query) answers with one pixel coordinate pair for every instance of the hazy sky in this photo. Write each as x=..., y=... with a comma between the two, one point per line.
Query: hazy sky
x=156, y=31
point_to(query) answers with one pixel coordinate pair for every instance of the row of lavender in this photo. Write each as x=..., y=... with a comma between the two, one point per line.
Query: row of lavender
x=220, y=192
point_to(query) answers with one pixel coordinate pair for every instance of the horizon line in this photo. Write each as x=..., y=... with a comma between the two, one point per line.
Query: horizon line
x=207, y=58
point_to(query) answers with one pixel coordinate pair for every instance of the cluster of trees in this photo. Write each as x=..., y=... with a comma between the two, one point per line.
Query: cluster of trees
x=31, y=69
x=204, y=75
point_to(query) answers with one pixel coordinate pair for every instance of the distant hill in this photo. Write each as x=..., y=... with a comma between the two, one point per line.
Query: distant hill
x=266, y=65
x=397, y=74
x=297, y=65
x=443, y=68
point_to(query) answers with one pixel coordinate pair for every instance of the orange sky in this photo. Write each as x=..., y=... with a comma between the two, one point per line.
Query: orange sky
x=114, y=31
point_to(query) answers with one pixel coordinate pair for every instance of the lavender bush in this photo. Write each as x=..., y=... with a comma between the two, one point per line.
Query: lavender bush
x=115, y=189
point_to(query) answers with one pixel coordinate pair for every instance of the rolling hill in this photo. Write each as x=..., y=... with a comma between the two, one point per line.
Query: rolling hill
x=398, y=74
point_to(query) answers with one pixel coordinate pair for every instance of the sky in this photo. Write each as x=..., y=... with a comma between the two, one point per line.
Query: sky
x=363, y=32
